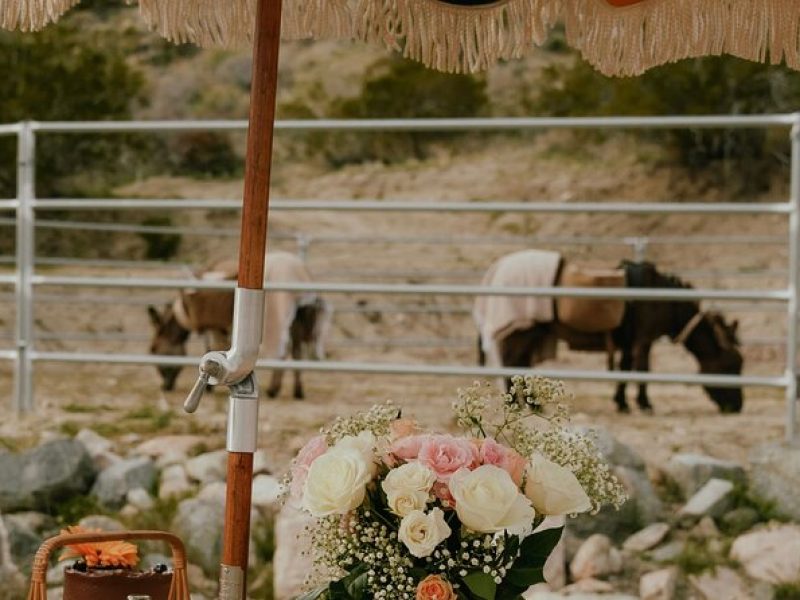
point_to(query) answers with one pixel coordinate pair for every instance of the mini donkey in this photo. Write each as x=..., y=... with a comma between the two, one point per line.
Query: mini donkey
x=294, y=324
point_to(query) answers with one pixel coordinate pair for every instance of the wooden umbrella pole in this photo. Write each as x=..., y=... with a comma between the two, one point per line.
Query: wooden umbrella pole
x=252, y=250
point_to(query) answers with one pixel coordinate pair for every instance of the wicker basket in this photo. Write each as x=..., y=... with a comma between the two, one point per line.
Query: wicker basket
x=110, y=585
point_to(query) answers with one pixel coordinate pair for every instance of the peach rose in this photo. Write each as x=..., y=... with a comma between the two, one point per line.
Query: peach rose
x=434, y=587
x=314, y=448
x=401, y=428
x=446, y=454
x=493, y=453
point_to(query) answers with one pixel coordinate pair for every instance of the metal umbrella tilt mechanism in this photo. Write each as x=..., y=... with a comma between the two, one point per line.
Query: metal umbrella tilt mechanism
x=618, y=37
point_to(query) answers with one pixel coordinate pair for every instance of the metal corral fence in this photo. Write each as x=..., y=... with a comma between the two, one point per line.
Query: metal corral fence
x=26, y=280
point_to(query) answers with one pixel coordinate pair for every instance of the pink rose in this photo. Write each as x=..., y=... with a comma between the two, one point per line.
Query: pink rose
x=407, y=448
x=314, y=448
x=446, y=454
x=493, y=453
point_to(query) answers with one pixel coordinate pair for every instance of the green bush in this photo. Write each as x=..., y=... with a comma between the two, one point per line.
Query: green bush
x=402, y=89
x=160, y=246
x=205, y=154
x=69, y=73
x=742, y=158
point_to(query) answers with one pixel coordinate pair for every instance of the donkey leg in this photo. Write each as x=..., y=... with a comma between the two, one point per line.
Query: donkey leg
x=275, y=383
x=297, y=354
x=642, y=363
x=619, y=396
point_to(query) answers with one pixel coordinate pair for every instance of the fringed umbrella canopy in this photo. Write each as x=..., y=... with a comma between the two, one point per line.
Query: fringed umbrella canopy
x=618, y=37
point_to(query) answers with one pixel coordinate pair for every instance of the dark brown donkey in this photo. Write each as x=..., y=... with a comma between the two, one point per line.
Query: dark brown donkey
x=706, y=335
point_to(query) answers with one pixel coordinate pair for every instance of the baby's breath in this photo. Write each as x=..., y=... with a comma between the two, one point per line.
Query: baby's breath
x=377, y=420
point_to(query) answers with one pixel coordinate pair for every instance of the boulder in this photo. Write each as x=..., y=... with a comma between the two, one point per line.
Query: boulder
x=140, y=498
x=208, y=467
x=647, y=538
x=267, y=492
x=692, y=471
x=713, y=500
x=100, y=449
x=596, y=557
x=771, y=554
x=262, y=463
x=23, y=542
x=101, y=522
x=174, y=482
x=291, y=562
x=44, y=476
x=720, y=583
x=706, y=529
x=667, y=552
x=170, y=444
x=590, y=585
x=775, y=476
x=114, y=483
x=613, y=451
x=658, y=585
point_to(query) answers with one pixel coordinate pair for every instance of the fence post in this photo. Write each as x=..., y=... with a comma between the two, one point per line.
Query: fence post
x=794, y=287
x=26, y=180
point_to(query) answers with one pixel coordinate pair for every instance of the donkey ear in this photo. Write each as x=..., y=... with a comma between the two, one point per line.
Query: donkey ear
x=735, y=326
x=155, y=317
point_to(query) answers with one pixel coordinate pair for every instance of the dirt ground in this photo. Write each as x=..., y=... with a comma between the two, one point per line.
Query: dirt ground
x=125, y=402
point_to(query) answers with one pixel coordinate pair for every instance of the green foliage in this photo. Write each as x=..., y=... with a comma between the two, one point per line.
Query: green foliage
x=696, y=557
x=205, y=154
x=787, y=591
x=159, y=517
x=720, y=85
x=68, y=73
x=402, y=89
x=160, y=246
x=75, y=508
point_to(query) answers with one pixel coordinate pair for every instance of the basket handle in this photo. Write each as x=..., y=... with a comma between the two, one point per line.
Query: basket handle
x=179, y=590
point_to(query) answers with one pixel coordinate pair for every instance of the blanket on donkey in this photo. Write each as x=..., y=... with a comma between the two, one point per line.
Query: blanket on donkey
x=212, y=310
x=498, y=316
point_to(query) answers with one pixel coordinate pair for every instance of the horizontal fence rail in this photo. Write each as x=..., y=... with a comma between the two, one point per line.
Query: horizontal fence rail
x=727, y=381
x=27, y=283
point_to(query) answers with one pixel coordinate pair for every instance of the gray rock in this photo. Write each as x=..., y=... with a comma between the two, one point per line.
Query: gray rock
x=771, y=555
x=266, y=492
x=292, y=561
x=101, y=522
x=596, y=557
x=647, y=538
x=208, y=467
x=41, y=523
x=775, y=475
x=55, y=574
x=739, y=520
x=174, y=482
x=658, y=585
x=199, y=523
x=169, y=444
x=100, y=449
x=23, y=542
x=713, y=500
x=11, y=580
x=615, y=452
x=668, y=552
x=44, y=476
x=113, y=484
x=720, y=583
x=693, y=471
x=140, y=498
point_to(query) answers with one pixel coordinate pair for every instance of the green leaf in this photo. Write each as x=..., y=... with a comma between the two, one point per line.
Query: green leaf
x=535, y=548
x=481, y=584
x=313, y=594
x=525, y=577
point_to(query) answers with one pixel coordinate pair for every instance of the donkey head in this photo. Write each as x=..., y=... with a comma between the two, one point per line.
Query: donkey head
x=169, y=339
x=722, y=356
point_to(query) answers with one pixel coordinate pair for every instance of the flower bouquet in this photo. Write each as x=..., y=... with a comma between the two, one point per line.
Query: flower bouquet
x=405, y=513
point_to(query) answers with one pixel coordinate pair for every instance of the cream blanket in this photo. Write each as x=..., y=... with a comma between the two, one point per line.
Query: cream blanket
x=212, y=310
x=498, y=316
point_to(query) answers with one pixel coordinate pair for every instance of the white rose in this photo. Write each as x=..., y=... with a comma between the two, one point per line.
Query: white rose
x=488, y=500
x=553, y=489
x=364, y=443
x=421, y=533
x=336, y=482
x=411, y=476
x=402, y=503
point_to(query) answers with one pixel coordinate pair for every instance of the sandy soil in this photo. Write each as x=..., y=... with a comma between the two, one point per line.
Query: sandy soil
x=528, y=168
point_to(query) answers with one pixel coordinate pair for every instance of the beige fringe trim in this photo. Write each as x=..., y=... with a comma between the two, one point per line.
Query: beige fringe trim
x=32, y=15
x=630, y=40
x=456, y=39
x=617, y=41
